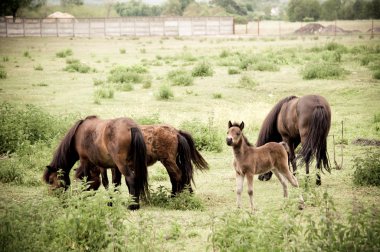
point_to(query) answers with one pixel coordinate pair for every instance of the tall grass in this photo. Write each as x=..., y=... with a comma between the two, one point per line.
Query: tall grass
x=74, y=65
x=323, y=71
x=203, y=69
x=164, y=93
x=64, y=53
x=180, y=78
x=123, y=74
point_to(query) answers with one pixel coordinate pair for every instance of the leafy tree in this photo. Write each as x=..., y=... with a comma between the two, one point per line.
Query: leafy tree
x=298, y=10
x=330, y=9
x=11, y=7
x=376, y=9
x=71, y=2
x=231, y=6
x=176, y=7
x=136, y=8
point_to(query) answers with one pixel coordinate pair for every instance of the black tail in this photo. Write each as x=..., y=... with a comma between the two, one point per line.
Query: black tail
x=269, y=131
x=138, y=153
x=183, y=161
x=196, y=157
x=316, y=142
x=65, y=156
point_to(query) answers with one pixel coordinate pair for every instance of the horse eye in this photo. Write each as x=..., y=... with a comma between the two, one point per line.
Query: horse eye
x=238, y=133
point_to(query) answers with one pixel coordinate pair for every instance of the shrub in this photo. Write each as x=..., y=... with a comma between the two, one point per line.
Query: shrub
x=25, y=125
x=148, y=120
x=27, y=54
x=376, y=75
x=203, y=69
x=5, y=58
x=233, y=70
x=3, y=74
x=265, y=66
x=323, y=71
x=217, y=96
x=98, y=82
x=206, y=135
x=367, y=169
x=122, y=74
x=122, y=51
x=64, y=53
x=333, y=46
x=74, y=65
x=247, y=82
x=38, y=67
x=164, y=93
x=224, y=54
x=180, y=78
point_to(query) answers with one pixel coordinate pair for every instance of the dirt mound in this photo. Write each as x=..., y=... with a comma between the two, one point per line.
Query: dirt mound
x=365, y=142
x=375, y=29
x=59, y=14
x=312, y=28
x=332, y=29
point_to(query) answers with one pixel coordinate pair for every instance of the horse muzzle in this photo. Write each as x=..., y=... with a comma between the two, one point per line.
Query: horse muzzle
x=229, y=141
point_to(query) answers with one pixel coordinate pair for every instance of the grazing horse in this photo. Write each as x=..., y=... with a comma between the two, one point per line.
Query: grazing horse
x=116, y=143
x=296, y=120
x=250, y=160
x=174, y=148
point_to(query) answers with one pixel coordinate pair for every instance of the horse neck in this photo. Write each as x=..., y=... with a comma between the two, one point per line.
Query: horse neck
x=241, y=148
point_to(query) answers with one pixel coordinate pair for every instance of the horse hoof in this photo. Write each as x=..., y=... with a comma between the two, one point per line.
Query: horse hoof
x=301, y=206
x=134, y=207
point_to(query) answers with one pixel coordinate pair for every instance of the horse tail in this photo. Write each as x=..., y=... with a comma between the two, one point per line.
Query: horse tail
x=65, y=155
x=183, y=160
x=196, y=157
x=269, y=131
x=138, y=153
x=286, y=147
x=316, y=142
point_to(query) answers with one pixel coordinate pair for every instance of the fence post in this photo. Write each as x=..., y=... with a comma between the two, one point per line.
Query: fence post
x=233, y=26
x=105, y=28
x=335, y=29
x=56, y=26
x=258, y=27
x=120, y=26
x=372, y=29
x=23, y=27
x=41, y=27
x=73, y=21
x=6, y=27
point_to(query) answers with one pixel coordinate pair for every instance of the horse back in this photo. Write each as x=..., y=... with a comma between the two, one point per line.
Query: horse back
x=306, y=106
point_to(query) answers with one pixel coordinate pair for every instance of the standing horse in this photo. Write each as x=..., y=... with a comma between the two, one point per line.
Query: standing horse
x=250, y=160
x=296, y=120
x=116, y=143
x=174, y=148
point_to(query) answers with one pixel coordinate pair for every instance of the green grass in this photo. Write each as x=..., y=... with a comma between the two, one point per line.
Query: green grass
x=64, y=53
x=323, y=71
x=180, y=78
x=43, y=105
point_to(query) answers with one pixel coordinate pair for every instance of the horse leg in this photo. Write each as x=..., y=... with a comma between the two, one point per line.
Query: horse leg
x=282, y=181
x=175, y=175
x=103, y=172
x=239, y=188
x=250, y=190
x=91, y=173
x=294, y=182
x=293, y=143
x=116, y=177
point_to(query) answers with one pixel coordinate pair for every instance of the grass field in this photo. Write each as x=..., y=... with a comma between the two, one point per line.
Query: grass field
x=212, y=80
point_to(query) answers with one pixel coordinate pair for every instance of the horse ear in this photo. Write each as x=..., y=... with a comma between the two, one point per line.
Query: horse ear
x=241, y=125
x=229, y=124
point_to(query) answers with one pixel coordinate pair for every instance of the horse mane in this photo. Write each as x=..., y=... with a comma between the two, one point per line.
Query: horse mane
x=269, y=131
x=65, y=156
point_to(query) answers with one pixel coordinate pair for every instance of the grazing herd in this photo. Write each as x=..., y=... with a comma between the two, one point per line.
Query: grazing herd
x=128, y=149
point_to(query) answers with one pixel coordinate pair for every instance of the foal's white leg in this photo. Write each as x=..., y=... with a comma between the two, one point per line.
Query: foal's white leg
x=250, y=190
x=293, y=180
x=282, y=181
x=239, y=188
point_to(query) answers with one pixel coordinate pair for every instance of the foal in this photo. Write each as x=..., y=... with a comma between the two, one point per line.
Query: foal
x=249, y=161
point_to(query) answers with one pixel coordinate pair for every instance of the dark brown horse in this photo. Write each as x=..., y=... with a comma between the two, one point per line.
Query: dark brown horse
x=250, y=160
x=116, y=143
x=296, y=120
x=174, y=148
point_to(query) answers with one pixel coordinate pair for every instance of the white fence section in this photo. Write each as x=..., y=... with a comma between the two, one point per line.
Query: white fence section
x=128, y=26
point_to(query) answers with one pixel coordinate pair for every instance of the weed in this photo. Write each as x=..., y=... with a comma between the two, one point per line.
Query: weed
x=38, y=68
x=26, y=54
x=64, y=53
x=3, y=74
x=224, y=54
x=122, y=74
x=5, y=58
x=74, y=65
x=233, y=70
x=323, y=71
x=333, y=46
x=122, y=51
x=367, y=169
x=164, y=93
x=203, y=69
x=104, y=92
x=265, y=66
x=376, y=75
x=148, y=120
x=247, y=82
x=98, y=82
x=217, y=96
x=180, y=78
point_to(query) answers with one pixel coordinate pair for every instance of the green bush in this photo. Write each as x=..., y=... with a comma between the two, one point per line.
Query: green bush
x=265, y=66
x=376, y=75
x=202, y=69
x=247, y=82
x=180, y=78
x=122, y=74
x=217, y=96
x=122, y=50
x=367, y=169
x=3, y=74
x=38, y=68
x=104, y=92
x=149, y=120
x=164, y=93
x=206, y=136
x=333, y=46
x=25, y=125
x=233, y=70
x=74, y=65
x=98, y=82
x=323, y=71
x=64, y=53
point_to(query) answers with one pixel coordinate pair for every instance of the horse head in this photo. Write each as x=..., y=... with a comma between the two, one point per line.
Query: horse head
x=234, y=133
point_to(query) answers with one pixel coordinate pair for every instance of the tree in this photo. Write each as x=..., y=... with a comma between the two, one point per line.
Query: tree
x=71, y=2
x=330, y=9
x=11, y=7
x=136, y=8
x=298, y=10
x=231, y=6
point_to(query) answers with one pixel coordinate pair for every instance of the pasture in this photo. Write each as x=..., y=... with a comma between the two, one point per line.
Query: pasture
x=197, y=84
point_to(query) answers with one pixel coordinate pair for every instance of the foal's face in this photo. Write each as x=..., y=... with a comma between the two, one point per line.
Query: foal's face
x=234, y=133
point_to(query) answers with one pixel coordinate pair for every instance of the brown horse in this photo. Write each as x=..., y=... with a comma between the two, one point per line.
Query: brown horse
x=296, y=120
x=174, y=148
x=250, y=160
x=116, y=143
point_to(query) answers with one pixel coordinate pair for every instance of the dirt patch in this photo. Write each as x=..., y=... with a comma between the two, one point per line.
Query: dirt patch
x=59, y=14
x=366, y=142
x=312, y=28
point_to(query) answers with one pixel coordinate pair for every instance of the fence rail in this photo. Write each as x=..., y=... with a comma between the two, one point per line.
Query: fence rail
x=131, y=26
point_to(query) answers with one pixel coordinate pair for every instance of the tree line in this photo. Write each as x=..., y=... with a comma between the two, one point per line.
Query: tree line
x=242, y=10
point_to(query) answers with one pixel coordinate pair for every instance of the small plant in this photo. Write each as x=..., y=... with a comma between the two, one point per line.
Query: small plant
x=323, y=71
x=5, y=58
x=98, y=82
x=376, y=75
x=164, y=93
x=180, y=78
x=104, y=92
x=122, y=51
x=203, y=69
x=247, y=82
x=64, y=53
x=38, y=68
x=152, y=119
x=3, y=74
x=26, y=54
x=74, y=65
x=265, y=66
x=367, y=169
x=224, y=54
x=217, y=96
x=233, y=70
x=122, y=74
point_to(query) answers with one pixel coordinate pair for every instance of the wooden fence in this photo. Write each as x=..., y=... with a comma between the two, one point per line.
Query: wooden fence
x=131, y=26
